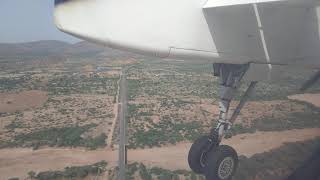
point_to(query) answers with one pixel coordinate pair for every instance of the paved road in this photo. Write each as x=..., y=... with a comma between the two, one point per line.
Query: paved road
x=122, y=125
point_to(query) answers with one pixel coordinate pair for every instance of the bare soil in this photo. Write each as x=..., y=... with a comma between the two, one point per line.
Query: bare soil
x=18, y=162
x=12, y=102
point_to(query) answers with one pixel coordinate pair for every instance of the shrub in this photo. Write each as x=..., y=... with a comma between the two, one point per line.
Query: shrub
x=73, y=172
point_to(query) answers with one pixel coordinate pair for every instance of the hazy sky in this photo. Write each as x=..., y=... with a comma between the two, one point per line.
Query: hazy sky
x=28, y=20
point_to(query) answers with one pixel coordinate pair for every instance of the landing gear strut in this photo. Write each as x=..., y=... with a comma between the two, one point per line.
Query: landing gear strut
x=206, y=155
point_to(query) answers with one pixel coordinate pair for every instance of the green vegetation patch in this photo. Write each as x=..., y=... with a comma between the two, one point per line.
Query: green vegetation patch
x=14, y=83
x=81, y=84
x=74, y=172
x=61, y=137
x=172, y=86
x=14, y=124
x=140, y=171
x=133, y=110
x=309, y=118
x=296, y=120
x=166, y=131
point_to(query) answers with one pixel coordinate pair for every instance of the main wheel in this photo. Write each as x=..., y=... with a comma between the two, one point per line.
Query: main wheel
x=221, y=163
x=197, y=155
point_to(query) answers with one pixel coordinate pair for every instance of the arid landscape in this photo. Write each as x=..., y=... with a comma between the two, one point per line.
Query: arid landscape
x=59, y=116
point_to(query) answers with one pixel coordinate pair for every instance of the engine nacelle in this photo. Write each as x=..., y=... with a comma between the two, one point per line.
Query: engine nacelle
x=153, y=27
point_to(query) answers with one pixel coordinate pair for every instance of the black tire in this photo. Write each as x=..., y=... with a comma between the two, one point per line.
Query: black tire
x=196, y=153
x=221, y=164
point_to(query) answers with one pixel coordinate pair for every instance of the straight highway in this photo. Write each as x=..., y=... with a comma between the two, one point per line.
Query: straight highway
x=122, y=125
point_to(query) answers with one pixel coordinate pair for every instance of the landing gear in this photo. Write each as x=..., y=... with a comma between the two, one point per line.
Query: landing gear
x=221, y=163
x=196, y=157
x=206, y=155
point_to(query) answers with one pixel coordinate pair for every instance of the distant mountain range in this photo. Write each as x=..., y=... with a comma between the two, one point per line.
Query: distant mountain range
x=60, y=48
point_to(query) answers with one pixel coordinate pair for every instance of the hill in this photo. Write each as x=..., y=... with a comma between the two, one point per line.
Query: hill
x=37, y=48
x=59, y=48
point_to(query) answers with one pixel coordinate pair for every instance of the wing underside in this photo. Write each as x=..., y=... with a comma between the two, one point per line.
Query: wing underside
x=268, y=33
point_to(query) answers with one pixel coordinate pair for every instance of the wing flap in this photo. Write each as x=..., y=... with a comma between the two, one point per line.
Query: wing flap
x=224, y=3
x=266, y=31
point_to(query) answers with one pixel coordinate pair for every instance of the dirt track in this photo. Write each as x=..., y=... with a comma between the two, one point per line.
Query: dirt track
x=174, y=157
x=310, y=98
x=115, y=112
x=18, y=162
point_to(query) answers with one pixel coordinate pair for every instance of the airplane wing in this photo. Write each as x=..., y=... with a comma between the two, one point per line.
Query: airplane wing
x=278, y=31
